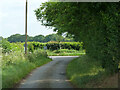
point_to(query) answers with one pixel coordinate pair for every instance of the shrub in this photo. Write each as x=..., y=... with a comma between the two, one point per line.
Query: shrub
x=57, y=45
x=6, y=47
x=53, y=45
x=30, y=47
x=65, y=45
x=16, y=66
x=17, y=46
x=38, y=45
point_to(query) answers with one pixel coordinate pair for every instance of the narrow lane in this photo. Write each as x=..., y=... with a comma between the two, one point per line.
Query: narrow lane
x=51, y=75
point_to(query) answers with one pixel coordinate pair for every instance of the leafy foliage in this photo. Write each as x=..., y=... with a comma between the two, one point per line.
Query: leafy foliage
x=6, y=47
x=15, y=66
x=17, y=37
x=39, y=38
x=95, y=24
x=55, y=45
x=64, y=45
x=30, y=47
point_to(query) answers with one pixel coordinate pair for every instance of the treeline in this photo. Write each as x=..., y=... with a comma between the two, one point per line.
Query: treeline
x=39, y=38
x=97, y=25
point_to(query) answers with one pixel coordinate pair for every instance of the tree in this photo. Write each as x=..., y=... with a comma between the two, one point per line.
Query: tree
x=19, y=38
x=53, y=37
x=39, y=38
x=6, y=47
x=96, y=24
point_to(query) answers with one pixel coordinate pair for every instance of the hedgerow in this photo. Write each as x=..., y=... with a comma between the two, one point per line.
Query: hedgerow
x=8, y=47
x=55, y=45
x=65, y=45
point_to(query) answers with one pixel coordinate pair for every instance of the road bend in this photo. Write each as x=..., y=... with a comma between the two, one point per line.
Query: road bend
x=50, y=75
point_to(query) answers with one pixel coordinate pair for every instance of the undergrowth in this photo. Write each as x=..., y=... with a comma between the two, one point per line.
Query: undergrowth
x=83, y=70
x=16, y=66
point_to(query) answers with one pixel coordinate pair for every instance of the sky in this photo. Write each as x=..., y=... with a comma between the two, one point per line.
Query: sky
x=12, y=18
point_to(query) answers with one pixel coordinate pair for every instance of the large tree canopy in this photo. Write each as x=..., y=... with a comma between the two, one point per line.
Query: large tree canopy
x=39, y=38
x=53, y=37
x=96, y=24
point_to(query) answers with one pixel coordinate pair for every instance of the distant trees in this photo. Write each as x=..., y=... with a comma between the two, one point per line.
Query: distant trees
x=53, y=37
x=18, y=38
x=39, y=38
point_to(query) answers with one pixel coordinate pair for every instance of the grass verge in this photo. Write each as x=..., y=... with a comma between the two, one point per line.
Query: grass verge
x=65, y=52
x=86, y=73
x=16, y=66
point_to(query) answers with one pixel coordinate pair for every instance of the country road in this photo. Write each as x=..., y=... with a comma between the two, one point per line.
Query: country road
x=51, y=75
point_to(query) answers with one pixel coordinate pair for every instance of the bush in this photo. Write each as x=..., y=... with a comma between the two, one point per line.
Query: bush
x=38, y=45
x=53, y=45
x=6, y=47
x=30, y=47
x=57, y=45
x=65, y=45
x=17, y=46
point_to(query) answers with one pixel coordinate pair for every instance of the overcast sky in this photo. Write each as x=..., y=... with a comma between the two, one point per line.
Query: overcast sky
x=12, y=18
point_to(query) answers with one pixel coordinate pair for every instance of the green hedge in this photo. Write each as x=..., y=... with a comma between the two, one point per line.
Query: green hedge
x=7, y=47
x=35, y=45
x=64, y=45
x=55, y=45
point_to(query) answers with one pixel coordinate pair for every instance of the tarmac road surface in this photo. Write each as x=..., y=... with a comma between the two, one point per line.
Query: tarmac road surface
x=50, y=75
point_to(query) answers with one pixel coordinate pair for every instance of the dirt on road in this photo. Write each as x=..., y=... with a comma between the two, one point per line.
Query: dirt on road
x=51, y=75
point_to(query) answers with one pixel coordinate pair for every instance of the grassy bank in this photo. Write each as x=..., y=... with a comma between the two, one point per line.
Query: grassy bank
x=86, y=73
x=16, y=66
x=65, y=52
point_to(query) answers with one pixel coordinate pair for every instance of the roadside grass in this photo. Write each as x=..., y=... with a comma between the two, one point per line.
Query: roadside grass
x=86, y=73
x=65, y=52
x=15, y=66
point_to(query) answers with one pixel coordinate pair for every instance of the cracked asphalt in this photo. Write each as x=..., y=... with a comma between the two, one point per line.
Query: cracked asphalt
x=50, y=75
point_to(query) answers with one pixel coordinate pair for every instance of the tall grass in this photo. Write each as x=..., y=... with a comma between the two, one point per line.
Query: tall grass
x=16, y=66
x=83, y=70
